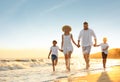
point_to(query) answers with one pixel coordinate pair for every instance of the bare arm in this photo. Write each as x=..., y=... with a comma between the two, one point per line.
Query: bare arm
x=73, y=40
x=62, y=42
x=80, y=34
x=78, y=43
x=49, y=54
x=95, y=39
x=61, y=50
x=97, y=45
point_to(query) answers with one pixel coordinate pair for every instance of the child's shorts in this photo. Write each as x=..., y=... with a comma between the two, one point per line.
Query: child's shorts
x=53, y=57
x=104, y=56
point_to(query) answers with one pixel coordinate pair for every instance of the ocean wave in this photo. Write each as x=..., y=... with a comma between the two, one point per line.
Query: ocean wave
x=15, y=64
x=21, y=64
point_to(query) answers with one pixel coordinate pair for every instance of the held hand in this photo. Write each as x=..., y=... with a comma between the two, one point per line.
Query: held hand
x=95, y=45
x=78, y=45
x=61, y=50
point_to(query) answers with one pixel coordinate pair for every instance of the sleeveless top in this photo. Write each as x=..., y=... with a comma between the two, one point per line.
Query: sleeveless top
x=67, y=45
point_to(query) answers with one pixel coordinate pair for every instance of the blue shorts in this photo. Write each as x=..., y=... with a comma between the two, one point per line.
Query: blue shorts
x=53, y=57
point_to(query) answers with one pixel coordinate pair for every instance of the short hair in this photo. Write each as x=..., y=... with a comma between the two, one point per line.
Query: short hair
x=66, y=27
x=55, y=41
x=85, y=23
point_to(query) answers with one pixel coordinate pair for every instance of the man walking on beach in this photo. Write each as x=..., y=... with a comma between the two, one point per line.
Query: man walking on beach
x=86, y=42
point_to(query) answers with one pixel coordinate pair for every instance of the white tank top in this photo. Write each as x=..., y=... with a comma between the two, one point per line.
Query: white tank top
x=67, y=41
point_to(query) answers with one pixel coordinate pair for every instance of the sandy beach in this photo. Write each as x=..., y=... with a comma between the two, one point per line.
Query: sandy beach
x=113, y=75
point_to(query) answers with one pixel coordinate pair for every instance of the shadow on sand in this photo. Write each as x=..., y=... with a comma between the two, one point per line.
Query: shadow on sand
x=104, y=77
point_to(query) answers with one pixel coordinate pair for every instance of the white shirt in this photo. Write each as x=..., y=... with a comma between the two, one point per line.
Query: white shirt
x=86, y=37
x=104, y=46
x=54, y=50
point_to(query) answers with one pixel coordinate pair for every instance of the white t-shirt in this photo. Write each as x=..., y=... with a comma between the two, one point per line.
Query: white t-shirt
x=103, y=46
x=54, y=50
x=86, y=37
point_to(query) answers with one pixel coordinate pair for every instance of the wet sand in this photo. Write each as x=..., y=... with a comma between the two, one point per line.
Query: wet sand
x=113, y=75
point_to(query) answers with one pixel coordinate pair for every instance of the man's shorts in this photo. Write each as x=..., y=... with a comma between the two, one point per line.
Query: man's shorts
x=104, y=56
x=86, y=49
x=53, y=57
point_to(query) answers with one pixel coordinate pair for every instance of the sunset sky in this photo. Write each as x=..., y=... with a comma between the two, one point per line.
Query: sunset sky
x=33, y=24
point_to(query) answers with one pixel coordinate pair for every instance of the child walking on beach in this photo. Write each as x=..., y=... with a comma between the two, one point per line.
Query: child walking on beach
x=54, y=54
x=66, y=45
x=104, y=48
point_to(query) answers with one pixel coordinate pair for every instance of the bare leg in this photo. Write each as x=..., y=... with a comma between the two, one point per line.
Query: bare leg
x=67, y=60
x=70, y=54
x=86, y=57
x=56, y=60
x=69, y=57
x=68, y=64
x=104, y=63
x=88, y=60
x=53, y=65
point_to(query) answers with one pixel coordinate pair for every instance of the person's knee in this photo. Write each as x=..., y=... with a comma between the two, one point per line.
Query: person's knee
x=88, y=55
x=85, y=55
x=66, y=56
x=56, y=60
x=104, y=60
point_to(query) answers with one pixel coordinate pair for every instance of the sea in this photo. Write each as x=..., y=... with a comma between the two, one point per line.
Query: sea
x=40, y=70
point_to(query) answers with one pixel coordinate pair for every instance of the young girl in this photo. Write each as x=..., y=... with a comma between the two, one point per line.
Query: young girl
x=66, y=45
x=104, y=48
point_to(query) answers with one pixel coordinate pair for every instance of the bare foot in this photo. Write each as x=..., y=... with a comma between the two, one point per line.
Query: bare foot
x=67, y=71
x=53, y=73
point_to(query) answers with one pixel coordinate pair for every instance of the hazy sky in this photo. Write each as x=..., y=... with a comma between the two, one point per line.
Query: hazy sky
x=27, y=24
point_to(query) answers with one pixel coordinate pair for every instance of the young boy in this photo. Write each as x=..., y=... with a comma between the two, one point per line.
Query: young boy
x=54, y=54
x=104, y=48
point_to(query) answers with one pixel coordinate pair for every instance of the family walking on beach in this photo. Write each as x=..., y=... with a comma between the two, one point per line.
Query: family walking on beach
x=84, y=41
